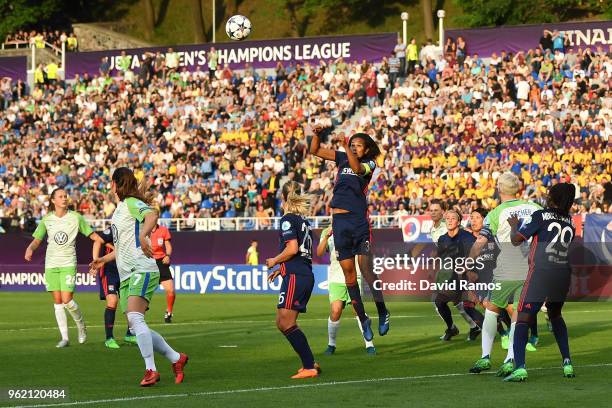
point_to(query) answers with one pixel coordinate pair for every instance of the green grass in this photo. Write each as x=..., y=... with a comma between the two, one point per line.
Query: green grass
x=412, y=368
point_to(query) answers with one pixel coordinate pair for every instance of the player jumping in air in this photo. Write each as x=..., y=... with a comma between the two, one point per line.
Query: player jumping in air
x=510, y=270
x=338, y=293
x=132, y=223
x=108, y=283
x=62, y=227
x=295, y=260
x=350, y=221
x=548, y=280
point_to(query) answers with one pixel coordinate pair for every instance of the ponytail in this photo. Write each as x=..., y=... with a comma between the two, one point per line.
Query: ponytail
x=295, y=201
x=128, y=186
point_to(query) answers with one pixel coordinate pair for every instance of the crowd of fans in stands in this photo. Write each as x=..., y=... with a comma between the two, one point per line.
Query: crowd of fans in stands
x=219, y=143
x=25, y=38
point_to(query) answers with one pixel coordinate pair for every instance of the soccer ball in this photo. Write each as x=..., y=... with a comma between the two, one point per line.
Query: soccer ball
x=238, y=27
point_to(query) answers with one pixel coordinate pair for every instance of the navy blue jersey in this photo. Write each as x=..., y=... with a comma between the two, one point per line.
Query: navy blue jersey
x=487, y=259
x=295, y=227
x=456, y=247
x=552, y=234
x=109, y=267
x=350, y=191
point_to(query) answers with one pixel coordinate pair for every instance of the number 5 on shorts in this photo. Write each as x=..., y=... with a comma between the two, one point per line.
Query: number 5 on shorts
x=281, y=298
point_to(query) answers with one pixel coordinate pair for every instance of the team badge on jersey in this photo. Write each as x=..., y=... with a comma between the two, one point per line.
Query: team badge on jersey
x=60, y=238
x=286, y=226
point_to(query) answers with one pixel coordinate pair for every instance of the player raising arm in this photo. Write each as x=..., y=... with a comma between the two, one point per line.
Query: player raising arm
x=62, y=227
x=295, y=260
x=350, y=220
x=549, y=277
x=132, y=223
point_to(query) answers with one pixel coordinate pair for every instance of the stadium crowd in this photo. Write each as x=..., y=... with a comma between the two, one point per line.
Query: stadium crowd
x=219, y=143
x=38, y=38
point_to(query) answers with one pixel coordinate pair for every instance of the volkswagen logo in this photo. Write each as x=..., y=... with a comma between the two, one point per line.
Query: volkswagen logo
x=60, y=238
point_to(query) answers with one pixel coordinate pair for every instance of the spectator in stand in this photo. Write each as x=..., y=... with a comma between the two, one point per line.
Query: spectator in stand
x=400, y=52
x=413, y=56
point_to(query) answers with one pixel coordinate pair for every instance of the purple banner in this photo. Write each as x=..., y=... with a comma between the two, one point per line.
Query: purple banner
x=485, y=41
x=259, y=54
x=14, y=67
x=195, y=248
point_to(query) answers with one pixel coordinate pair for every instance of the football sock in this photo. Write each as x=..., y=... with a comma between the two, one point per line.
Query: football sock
x=160, y=345
x=109, y=321
x=510, y=354
x=475, y=314
x=533, y=326
x=466, y=316
x=445, y=313
x=560, y=331
x=520, y=342
x=298, y=341
x=143, y=337
x=332, y=331
x=75, y=312
x=505, y=317
x=367, y=343
x=500, y=327
x=62, y=320
x=489, y=326
x=356, y=301
x=381, y=308
x=170, y=302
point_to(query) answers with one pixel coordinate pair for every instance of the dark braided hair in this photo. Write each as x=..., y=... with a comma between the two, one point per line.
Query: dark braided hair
x=561, y=197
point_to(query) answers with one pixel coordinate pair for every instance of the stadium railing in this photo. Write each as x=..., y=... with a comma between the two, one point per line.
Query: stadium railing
x=247, y=223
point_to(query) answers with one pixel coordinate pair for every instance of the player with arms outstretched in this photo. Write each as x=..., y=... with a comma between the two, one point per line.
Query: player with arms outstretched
x=62, y=227
x=350, y=220
x=295, y=260
x=552, y=232
x=132, y=223
x=338, y=293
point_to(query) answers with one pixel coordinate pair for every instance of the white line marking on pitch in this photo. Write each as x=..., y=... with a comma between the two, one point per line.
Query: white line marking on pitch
x=286, y=387
x=229, y=346
x=302, y=320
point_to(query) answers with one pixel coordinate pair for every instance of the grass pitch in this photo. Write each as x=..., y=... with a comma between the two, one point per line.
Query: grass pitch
x=238, y=358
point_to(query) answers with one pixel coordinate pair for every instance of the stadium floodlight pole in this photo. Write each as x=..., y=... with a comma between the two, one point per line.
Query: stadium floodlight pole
x=214, y=27
x=441, y=14
x=404, y=16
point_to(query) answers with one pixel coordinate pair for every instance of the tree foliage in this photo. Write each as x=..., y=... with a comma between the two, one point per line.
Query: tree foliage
x=482, y=13
x=24, y=14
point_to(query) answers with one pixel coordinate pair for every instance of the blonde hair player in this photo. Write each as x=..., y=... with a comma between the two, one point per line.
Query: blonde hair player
x=295, y=260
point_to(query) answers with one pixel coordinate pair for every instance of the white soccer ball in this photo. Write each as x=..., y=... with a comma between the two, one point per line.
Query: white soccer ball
x=238, y=27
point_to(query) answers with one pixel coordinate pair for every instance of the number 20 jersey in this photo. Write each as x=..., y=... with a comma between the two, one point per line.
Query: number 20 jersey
x=295, y=227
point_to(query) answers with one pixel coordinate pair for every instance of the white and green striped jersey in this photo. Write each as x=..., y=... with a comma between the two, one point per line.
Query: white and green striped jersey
x=126, y=223
x=334, y=272
x=512, y=262
x=62, y=233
